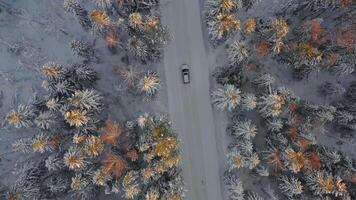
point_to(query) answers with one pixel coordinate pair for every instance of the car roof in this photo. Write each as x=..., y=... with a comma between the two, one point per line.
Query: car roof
x=185, y=66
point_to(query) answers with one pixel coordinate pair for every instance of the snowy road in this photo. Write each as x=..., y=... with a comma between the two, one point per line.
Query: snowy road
x=189, y=105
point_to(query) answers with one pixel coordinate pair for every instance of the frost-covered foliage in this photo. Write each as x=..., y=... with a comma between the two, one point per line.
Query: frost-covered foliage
x=290, y=186
x=332, y=89
x=244, y=129
x=227, y=97
x=149, y=163
x=241, y=152
x=322, y=183
x=67, y=97
x=129, y=27
x=319, y=41
x=221, y=19
x=229, y=75
x=248, y=102
x=234, y=187
x=158, y=172
x=253, y=196
x=129, y=76
x=309, y=37
x=82, y=49
x=21, y=117
x=81, y=155
x=28, y=184
x=264, y=81
x=280, y=29
x=149, y=83
x=271, y=105
x=75, y=8
x=230, y=98
x=113, y=21
x=70, y=106
x=237, y=53
x=351, y=92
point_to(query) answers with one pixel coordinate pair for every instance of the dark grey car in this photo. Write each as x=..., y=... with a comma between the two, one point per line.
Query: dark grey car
x=185, y=74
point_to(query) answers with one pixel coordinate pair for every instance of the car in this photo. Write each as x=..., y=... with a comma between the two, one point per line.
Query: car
x=185, y=74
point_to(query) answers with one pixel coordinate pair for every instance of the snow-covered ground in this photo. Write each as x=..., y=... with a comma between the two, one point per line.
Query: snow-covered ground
x=189, y=104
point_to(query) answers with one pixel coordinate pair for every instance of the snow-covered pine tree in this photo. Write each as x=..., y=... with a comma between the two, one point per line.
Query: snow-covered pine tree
x=332, y=89
x=252, y=196
x=343, y=69
x=227, y=97
x=138, y=48
x=244, y=129
x=290, y=186
x=264, y=81
x=351, y=92
x=237, y=53
x=83, y=49
x=229, y=75
x=234, y=186
x=301, y=72
x=74, y=7
x=248, y=102
x=149, y=84
x=21, y=117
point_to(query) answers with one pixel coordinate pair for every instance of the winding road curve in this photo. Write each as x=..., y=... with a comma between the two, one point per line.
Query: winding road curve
x=189, y=105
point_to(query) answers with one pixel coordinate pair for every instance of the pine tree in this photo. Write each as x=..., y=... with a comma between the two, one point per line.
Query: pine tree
x=83, y=49
x=343, y=69
x=149, y=83
x=265, y=80
x=28, y=184
x=57, y=185
x=271, y=193
x=86, y=99
x=332, y=89
x=104, y=4
x=238, y=52
x=74, y=7
x=229, y=75
x=271, y=105
x=248, y=102
x=156, y=36
x=54, y=163
x=21, y=117
x=138, y=48
x=301, y=72
x=247, y=4
x=290, y=186
x=328, y=156
x=221, y=19
x=84, y=75
x=344, y=118
x=324, y=113
x=227, y=97
x=275, y=124
x=351, y=92
x=44, y=120
x=253, y=196
x=244, y=129
x=321, y=184
x=262, y=171
x=234, y=186
x=129, y=75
